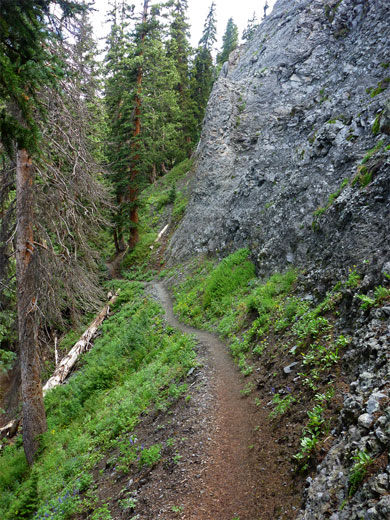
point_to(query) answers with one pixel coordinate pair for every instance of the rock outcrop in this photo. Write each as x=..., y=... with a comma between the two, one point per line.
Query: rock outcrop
x=292, y=116
x=294, y=163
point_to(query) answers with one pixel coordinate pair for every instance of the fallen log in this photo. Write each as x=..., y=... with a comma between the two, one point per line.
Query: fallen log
x=10, y=429
x=67, y=363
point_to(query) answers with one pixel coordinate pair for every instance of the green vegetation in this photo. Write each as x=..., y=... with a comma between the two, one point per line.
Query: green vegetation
x=376, y=124
x=363, y=177
x=265, y=316
x=281, y=404
x=373, y=151
x=229, y=42
x=382, y=85
x=209, y=295
x=365, y=172
x=134, y=365
x=381, y=294
x=155, y=202
x=332, y=197
x=358, y=471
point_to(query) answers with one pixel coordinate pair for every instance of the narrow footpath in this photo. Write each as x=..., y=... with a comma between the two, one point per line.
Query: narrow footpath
x=241, y=477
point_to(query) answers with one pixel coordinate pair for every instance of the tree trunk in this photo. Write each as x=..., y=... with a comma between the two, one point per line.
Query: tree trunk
x=133, y=189
x=34, y=417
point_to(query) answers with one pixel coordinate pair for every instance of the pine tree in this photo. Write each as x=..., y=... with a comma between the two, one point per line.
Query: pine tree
x=250, y=29
x=144, y=100
x=209, y=35
x=230, y=41
x=124, y=91
x=120, y=70
x=203, y=71
x=41, y=130
x=180, y=51
x=161, y=142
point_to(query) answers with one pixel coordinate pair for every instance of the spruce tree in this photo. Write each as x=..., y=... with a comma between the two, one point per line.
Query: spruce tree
x=250, y=29
x=180, y=51
x=36, y=128
x=203, y=70
x=119, y=98
x=144, y=97
x=230, y=41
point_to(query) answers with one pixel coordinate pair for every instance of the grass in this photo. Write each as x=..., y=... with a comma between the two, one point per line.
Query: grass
x=208, y=294
x=136, y=364
x=260, y=318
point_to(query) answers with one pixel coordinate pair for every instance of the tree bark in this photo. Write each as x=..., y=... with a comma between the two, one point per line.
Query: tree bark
x=34, y=417
x=133, y=188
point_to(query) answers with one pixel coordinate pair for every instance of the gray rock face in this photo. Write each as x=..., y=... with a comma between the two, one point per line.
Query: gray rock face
x=289, y=119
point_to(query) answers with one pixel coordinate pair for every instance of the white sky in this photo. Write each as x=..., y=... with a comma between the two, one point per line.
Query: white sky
x=239, y=10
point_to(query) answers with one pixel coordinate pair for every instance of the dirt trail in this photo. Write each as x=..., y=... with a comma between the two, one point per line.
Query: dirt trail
x=241, y=477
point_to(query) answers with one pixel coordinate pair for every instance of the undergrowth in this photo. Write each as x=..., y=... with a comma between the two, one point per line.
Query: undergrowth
x=269, y=322
x=136, y=364
x=153, y=202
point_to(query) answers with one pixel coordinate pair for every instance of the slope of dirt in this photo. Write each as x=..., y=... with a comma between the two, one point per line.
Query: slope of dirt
x=221, y=458
x=244, y=476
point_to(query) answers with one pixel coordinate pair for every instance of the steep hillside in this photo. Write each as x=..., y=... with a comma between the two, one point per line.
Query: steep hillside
x=294, y=159
x=274, y=239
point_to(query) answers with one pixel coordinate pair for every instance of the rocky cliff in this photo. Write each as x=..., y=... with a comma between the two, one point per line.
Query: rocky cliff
x=294, y=163
x=292, y=116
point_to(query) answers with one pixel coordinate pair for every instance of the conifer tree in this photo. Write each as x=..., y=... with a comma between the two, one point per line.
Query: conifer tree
x=203, y=71
x=40, y=130
x=230, y=41
x=180, y=51
x=161, y=141
x=124, y=91
x=144, y=95
x=251, y=27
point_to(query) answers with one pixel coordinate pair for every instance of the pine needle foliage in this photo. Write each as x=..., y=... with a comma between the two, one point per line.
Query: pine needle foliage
x=229, y=40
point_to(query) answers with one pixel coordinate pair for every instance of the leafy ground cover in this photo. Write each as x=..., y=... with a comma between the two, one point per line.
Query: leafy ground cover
x=137, y=364
x=285, y=342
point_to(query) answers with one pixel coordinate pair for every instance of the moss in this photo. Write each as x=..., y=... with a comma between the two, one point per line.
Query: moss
x=373, y=151
x=382, y=85
x=376, y=124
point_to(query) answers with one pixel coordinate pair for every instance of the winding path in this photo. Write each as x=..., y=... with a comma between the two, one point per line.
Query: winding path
x=235, y=483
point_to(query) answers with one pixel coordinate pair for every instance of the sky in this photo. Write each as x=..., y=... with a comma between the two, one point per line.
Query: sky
x=239, y=10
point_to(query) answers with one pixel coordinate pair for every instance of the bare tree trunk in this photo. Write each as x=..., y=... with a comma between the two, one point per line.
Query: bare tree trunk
x=153, y=177
x=34, y=417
